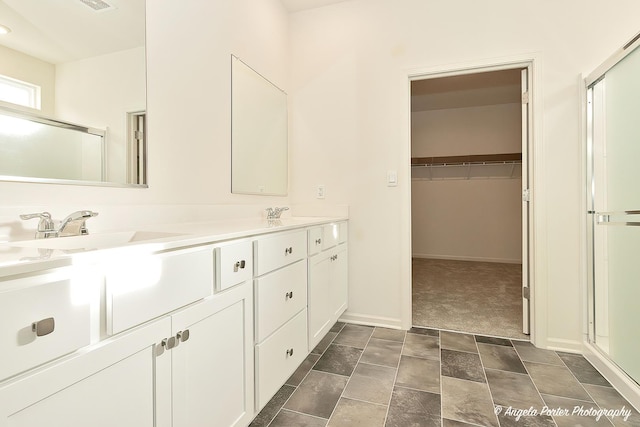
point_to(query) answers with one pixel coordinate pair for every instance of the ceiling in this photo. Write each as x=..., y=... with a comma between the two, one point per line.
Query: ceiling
x=298, y=5
x=59, y=31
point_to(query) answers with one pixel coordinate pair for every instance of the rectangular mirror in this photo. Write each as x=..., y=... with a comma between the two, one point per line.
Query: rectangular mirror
x=259, y=156
x=73, y=92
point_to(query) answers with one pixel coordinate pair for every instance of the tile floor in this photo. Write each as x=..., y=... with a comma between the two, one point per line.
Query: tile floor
x=369, y=377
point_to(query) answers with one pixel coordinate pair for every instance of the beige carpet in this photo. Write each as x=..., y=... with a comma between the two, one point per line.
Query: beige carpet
x=477, y=297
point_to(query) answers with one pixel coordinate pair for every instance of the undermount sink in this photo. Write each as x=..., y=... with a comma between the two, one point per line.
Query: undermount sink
x=95, y=241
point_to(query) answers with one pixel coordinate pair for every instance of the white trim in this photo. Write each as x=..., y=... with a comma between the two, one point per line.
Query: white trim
x=537, y=232
x=567, y=346
x=365, y=319
x=618, y=379
x=468, y=258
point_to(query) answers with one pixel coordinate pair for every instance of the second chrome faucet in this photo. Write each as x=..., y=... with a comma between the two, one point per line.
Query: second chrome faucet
x=73, y=225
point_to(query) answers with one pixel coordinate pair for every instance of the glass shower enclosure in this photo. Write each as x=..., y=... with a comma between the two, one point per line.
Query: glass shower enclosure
x=613, y=173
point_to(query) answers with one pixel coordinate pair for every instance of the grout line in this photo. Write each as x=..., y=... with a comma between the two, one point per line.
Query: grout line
x=395, y=379
x=352, y=372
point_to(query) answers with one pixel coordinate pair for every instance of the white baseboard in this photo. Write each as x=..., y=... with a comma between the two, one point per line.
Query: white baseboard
x=467, y=258
x=618, y=379
x=567, y=346
x=364, y=319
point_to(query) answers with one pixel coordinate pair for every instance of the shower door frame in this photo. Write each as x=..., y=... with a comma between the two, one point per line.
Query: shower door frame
x=598, y=357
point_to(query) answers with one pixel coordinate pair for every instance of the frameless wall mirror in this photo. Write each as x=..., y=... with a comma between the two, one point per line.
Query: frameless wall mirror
x=73, y=91
x=258, y=133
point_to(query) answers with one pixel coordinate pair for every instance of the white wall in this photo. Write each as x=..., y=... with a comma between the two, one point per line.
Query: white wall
x=349, y=89
x=189, y=49
x=20, y=66
x=475, y=219
x=99, y=92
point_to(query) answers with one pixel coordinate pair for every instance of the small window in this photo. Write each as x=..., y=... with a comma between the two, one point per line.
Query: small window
x=19, y=92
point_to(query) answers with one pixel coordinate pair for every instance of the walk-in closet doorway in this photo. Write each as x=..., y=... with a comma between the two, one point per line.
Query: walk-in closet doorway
x=470, y=133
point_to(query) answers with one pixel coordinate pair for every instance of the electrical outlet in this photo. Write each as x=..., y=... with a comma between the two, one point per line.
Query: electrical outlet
x=320, y=192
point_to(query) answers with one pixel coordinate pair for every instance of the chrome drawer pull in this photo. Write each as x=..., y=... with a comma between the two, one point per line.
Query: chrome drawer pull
x=183, y=335
x=290, y=352
x=288, y=251
x=169, y=343
x=43, y=327
x=288, y=295
x=239, y=265
x=318, y=241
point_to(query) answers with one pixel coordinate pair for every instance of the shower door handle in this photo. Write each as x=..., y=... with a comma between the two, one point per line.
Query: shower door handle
x=607, y=218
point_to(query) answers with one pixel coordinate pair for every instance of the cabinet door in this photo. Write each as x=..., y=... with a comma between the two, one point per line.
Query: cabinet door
x=212, y=369
x=319, y=306
x=338, y=282
x=109, y=385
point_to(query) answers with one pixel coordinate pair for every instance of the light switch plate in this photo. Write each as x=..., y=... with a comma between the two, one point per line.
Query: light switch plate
x=392, y=178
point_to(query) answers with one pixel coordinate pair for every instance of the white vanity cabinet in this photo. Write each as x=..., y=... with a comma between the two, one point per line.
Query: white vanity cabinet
x=280, y=306
x=46, y=315
x=212, y=361
x=112, y=384
x=327, y=294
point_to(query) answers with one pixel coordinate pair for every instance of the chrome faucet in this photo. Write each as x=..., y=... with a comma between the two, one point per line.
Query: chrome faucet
x=274, y=213
x=73, y=225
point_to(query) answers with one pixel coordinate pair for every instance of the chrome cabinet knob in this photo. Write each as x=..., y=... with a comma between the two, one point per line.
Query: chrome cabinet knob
x=169, y=343
x=288, y=295
x=183, y=335
x=290, y=352
x=43, y=327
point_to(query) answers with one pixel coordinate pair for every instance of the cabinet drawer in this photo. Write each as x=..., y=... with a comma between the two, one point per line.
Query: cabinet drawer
x=279, y=296
x=334, y=234
x=315, y=240
x=279, y=356
x=141, y=287
x=63, y=300
x=280, y=250
x=235, y=264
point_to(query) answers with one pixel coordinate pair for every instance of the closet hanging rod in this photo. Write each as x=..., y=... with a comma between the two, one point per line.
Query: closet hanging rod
x=503, y=158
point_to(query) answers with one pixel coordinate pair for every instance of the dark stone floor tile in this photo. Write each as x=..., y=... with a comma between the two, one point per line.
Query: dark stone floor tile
x=583, y=370
x=413, y=408
x=500, y=357
x=338, y=359
x=371, y=383
x=349, y=413
x=467, y=401
x=324, y=343
x=516, y=419
x=564, y=412
x=493, y=340
x=318, y=394
x=288, y=419
x=463, y=365
x=424, y=331
x=337, y=327
x=421, y=346
x=457, y=341
x=556, y=380
x=419, y=374
x=354, y=336
x=389, y=334
x=382, y=352
x=510, y=389
x=530, y=353
x=609, y=398
x=270, y=410
x=296, y=378
x=453, y=423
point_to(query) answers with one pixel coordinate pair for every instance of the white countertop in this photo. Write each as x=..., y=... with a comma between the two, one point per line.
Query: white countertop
x=42, y=254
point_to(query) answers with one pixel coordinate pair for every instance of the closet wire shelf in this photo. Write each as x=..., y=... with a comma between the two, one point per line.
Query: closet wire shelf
x=476, y=166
